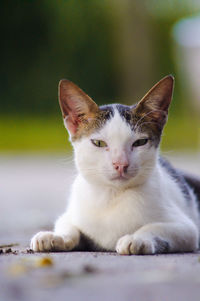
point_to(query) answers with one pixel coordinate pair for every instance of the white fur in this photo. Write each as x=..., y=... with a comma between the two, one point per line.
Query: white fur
x=126, y=215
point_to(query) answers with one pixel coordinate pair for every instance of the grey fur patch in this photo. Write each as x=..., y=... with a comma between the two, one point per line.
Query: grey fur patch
x=108, y=111
x=194, y=183
x=125, y=112
x=88, y=244
x=162, y=246
x=140, y=123
x=177, y=176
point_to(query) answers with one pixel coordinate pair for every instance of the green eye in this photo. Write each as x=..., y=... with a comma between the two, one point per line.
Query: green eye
x=140, y=142
x=98, y=143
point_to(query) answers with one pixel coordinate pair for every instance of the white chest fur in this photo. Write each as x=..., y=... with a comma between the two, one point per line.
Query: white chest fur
x=106, y=215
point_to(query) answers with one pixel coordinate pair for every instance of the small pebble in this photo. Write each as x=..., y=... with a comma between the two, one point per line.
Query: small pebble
x=29, y=251
x=44, y=261
x=89, y=269
x=9, y=250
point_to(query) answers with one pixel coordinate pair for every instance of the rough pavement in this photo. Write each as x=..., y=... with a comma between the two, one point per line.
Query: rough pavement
x=32, y=195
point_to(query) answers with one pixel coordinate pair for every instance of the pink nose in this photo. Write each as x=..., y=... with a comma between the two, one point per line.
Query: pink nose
x=120, y=167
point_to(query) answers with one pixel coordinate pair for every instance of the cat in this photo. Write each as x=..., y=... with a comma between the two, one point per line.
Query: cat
x=126, y=197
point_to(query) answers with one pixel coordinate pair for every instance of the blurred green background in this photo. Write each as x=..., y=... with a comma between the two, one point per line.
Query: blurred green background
x=114, y=50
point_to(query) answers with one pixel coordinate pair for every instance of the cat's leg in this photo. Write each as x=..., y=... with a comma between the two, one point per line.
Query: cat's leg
x=160, y=238
x=65, y=237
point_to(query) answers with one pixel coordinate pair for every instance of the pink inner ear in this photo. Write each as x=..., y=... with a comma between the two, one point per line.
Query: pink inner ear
x=71, y=125
x=75, y=105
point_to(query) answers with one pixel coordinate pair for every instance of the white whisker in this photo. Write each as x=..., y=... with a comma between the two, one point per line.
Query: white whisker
x=152, y=111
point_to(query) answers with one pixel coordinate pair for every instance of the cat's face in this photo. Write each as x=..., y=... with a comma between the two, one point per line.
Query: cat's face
x=115, y=145
x=115, y=154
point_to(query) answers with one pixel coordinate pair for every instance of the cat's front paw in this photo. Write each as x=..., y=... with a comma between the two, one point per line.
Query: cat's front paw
x=129, y=244
x=47, y=241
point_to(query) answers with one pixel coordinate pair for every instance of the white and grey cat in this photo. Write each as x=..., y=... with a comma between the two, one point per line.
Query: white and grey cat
x=125, y=198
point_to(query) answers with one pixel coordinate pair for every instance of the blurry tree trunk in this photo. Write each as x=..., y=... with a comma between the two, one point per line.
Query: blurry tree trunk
x=134, y=50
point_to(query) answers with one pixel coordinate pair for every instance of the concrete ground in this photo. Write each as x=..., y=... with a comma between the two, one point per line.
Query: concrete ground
x=33, y=190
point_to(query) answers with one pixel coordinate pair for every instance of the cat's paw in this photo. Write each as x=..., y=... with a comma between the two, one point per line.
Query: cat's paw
x=49, y=241
x=129, y=244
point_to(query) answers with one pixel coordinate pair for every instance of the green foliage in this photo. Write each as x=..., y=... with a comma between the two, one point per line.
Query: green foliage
x=45, y=41
x=181, y=133
x=28, y=134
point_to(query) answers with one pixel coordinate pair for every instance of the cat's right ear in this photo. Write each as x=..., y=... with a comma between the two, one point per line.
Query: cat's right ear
x=77, y=108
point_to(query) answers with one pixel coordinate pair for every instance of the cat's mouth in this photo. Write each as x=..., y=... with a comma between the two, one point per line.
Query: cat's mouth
x=120, y=177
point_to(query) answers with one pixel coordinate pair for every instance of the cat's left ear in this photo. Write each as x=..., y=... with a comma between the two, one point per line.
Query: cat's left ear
x=77, y=108
x=155, y=104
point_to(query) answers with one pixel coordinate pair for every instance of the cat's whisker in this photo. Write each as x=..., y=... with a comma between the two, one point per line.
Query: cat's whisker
x=66, y=161
x=130, y=167
x=145, y=115
x=146, y=122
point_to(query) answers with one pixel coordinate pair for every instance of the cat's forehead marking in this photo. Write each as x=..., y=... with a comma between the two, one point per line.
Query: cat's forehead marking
x=104, y=114
x=124, y=111
x=116, y=130
x=140, y=122
x=136, y=122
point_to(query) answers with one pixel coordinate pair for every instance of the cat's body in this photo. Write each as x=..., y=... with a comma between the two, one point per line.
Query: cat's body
x=125, y=198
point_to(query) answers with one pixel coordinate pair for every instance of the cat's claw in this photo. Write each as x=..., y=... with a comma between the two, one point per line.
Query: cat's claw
x=128, y=245
x=49, y=241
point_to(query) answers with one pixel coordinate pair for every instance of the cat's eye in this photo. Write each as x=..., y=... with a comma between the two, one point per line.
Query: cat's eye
x=99, y=143
x=140, y=142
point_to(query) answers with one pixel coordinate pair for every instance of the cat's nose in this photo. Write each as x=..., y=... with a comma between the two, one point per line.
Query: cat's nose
x=121, y=168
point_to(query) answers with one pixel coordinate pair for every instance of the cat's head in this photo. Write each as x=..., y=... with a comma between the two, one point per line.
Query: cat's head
x=115, y=144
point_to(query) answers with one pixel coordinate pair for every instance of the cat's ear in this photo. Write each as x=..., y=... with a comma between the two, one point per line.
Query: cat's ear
x=76, y=106
x=155, y=104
